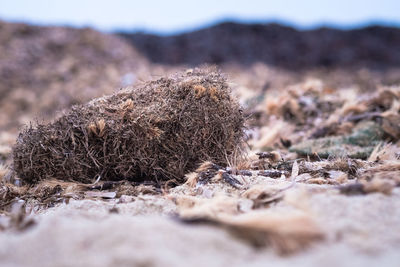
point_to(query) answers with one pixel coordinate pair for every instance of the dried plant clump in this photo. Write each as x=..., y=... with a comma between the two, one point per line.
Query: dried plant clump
x=158, y=131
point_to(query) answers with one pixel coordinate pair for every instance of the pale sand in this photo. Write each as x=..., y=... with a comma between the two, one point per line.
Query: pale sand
x=360, y=231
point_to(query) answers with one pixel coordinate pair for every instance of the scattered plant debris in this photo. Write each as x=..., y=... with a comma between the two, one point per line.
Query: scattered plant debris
x=285, y=233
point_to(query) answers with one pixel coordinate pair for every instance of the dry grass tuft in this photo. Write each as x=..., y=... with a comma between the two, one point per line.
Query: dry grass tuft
x=158, y=131
x=3, y=172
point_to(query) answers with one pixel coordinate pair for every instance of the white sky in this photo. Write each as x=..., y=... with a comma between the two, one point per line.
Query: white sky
x=172, y=15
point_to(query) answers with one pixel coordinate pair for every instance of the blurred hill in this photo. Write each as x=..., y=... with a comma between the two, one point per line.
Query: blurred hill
x=44, y=70
x=276, y=45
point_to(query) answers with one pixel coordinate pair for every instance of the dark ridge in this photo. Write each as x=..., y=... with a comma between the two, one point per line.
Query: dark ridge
x=374, y=47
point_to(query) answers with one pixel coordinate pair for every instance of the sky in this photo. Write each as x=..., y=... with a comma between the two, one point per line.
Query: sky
x=172, y=16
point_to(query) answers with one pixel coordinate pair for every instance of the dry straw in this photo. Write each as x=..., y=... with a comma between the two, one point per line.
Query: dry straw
x=157, y=131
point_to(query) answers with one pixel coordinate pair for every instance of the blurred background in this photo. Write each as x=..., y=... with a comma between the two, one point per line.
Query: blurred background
x=54, y=54
x=175, y=16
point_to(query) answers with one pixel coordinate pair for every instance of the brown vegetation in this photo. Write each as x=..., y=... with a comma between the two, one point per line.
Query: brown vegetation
x=158, y=131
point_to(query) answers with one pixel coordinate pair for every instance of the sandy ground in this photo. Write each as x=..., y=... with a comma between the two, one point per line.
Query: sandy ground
x=361, y=230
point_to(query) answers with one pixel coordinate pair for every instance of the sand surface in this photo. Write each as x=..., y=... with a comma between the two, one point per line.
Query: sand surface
x=362, y=230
